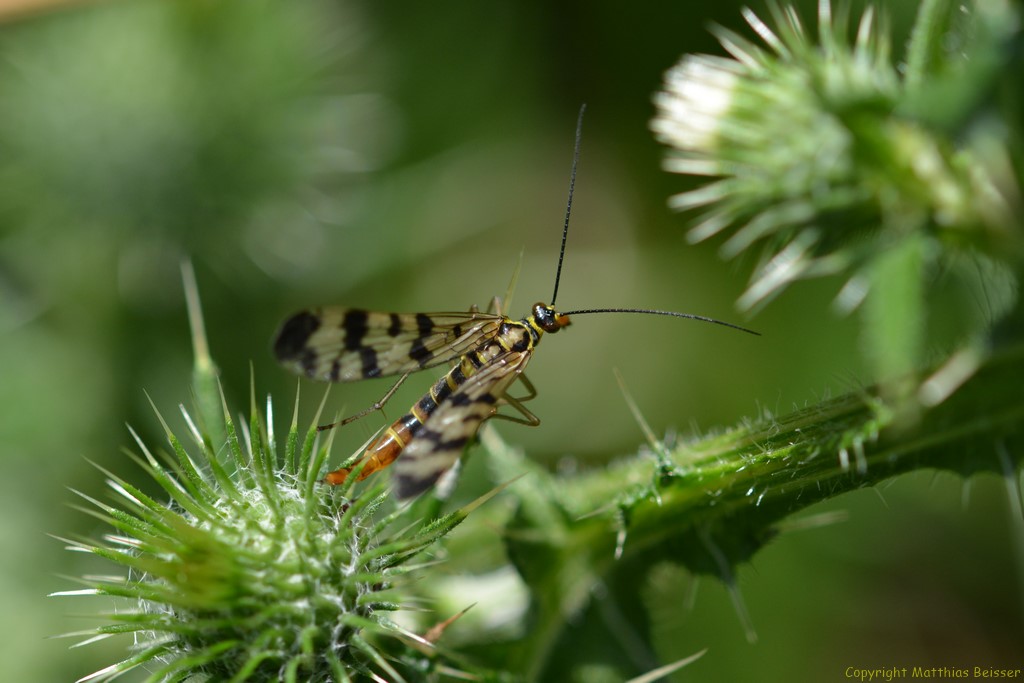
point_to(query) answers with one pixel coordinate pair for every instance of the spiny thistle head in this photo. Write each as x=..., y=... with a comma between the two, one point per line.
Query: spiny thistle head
x=252, y=570
x=811, y=154
x=836, y=161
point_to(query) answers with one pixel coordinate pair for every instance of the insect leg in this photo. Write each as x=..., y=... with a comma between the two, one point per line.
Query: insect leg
x=527, y=418
x=378, y=405
x=493, y=307
x=530, y=389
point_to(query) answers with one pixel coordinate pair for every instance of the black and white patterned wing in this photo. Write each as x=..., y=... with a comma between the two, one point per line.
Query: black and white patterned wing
x=338, y=344
x=438, y=444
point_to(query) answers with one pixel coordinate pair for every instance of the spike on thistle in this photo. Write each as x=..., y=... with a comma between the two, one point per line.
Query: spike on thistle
x=253, y=583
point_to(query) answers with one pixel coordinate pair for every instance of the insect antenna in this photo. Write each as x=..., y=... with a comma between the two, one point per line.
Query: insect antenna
x=565, y=235
x=674, y=314
x=568, y=204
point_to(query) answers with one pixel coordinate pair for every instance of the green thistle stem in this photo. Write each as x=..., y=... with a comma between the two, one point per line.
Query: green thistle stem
x=725, y=495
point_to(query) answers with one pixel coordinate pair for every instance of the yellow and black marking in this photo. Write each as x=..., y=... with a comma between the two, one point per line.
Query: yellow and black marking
x=489, y=352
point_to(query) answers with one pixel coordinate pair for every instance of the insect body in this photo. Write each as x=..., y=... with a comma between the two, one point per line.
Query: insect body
x=490, y=352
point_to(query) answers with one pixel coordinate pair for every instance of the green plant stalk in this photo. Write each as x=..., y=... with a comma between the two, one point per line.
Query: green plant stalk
x=713, y=503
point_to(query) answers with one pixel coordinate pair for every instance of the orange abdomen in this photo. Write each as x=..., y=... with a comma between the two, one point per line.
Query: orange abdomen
x=384, y=450
x=379, y=454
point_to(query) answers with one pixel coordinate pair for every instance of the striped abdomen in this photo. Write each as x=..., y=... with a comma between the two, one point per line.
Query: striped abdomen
x=385, y=449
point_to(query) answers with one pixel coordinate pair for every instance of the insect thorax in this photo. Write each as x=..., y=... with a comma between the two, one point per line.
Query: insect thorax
x=517, y=335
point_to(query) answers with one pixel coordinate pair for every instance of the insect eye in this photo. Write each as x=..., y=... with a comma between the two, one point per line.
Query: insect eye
x=547, y=319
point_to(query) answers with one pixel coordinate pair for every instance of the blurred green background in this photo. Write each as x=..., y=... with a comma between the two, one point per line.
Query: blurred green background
x=400, y=156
